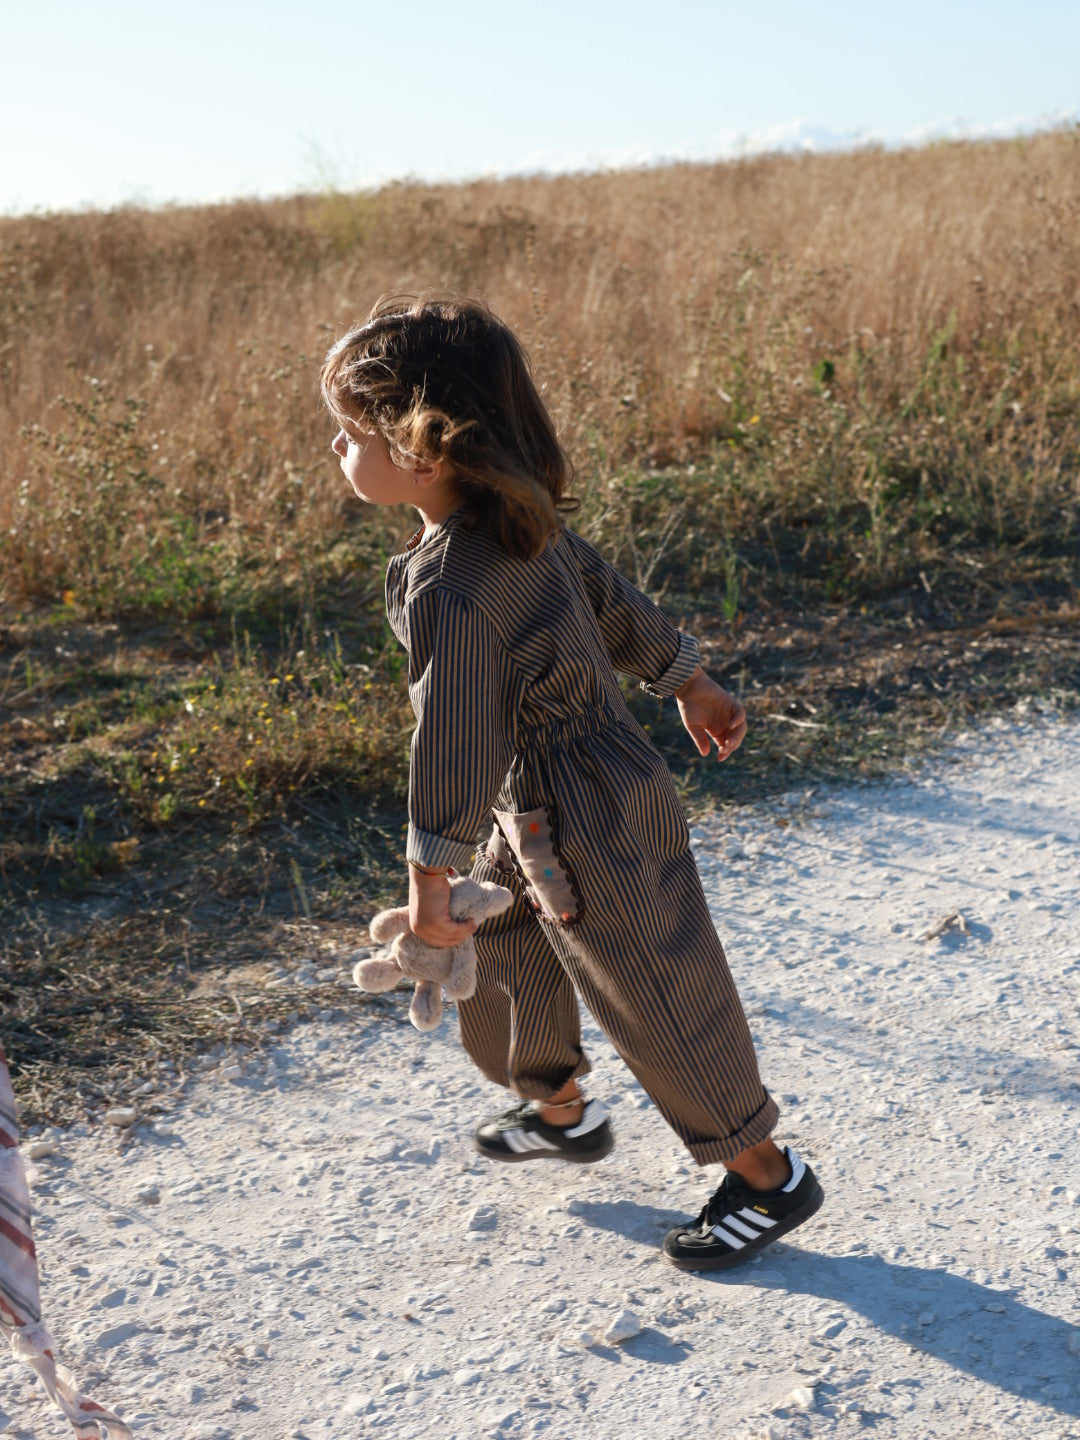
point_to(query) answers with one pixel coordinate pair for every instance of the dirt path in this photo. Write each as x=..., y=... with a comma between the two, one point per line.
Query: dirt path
x=307, y=1247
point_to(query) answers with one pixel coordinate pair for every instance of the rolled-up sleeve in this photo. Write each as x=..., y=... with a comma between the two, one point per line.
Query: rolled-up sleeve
x=466, y=693
x=638, y=636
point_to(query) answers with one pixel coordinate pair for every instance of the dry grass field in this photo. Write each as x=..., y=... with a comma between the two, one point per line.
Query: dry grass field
x=825, y=407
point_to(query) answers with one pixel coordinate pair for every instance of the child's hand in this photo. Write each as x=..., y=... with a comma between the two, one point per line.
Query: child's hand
x=708, y=711
x=429, y=911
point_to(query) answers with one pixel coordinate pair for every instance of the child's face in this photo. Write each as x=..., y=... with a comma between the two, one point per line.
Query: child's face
x=366, y=464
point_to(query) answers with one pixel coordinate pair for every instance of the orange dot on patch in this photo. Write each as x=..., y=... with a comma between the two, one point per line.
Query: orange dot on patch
x=566, y=914
x=535, y=828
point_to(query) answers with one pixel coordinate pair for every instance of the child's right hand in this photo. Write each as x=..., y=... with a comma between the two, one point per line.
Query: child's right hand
x=429, y=911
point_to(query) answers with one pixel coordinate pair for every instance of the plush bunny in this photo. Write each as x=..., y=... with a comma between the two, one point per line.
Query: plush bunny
x=434, y=970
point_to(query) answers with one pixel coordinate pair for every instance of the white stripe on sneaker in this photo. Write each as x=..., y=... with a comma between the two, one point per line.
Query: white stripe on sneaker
x=728, y=1238
x=521, y=1141
x=765, y=1221
x=741, y=1227
x=798, y=1169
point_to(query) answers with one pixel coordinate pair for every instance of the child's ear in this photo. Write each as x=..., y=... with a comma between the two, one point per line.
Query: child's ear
x=430, y=473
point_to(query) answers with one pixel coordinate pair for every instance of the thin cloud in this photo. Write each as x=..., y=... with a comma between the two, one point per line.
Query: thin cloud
x=787, y=137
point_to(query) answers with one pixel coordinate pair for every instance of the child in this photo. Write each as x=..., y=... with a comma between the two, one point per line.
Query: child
x=513, y=624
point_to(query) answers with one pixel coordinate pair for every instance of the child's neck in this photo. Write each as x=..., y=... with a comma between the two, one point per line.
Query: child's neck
x=440, y=500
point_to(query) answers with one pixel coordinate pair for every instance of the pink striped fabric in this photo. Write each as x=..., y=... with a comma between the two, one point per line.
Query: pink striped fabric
x=20, y=1294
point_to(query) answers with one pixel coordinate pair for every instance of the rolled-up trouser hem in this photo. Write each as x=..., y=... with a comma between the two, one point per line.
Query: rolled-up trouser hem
x=530, y=1089
x=758, y=1128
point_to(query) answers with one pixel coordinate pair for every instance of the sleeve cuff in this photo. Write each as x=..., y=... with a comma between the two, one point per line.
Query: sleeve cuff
x=437, y=852
x=678, y=672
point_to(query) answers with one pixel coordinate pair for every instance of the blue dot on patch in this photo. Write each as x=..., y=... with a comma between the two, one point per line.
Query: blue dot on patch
x=547, y=872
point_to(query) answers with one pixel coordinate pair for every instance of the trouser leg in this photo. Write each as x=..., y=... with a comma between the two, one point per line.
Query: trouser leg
x=522, y=1026
x=663, y=994
x=706, y=1086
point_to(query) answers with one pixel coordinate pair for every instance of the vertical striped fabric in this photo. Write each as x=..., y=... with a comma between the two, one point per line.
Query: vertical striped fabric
x=20, y=1300
x=519, y=711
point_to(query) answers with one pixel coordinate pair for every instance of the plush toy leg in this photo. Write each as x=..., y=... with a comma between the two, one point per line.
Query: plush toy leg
x=460, y=984
x=425, y=1012
x=376, y=974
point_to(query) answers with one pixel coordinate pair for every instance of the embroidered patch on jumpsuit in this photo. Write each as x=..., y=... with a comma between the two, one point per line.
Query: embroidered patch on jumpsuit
x=525, y=843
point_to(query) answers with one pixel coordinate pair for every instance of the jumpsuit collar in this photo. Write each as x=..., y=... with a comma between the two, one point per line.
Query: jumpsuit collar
x=422, y=535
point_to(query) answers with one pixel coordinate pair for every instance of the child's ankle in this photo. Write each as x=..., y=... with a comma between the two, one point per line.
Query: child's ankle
x=567, y=1113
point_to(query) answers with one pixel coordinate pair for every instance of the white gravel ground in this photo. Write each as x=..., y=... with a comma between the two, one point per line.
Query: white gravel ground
x=310, y=1248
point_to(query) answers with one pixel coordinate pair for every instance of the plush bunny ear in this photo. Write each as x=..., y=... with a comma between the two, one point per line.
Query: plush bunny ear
x=477, y=899
x=388, y=923
x=495, y=899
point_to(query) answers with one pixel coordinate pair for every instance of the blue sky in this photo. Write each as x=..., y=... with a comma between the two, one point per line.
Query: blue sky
x=106, y=101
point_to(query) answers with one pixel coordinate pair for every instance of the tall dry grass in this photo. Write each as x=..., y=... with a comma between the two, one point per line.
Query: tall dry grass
x=785, y=381
x=871, y=360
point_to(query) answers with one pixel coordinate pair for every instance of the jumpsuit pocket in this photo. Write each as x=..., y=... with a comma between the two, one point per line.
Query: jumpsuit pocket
x=499, y=854
x=528, y=843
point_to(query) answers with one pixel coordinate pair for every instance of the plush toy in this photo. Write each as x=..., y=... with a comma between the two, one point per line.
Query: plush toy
x=453, y=969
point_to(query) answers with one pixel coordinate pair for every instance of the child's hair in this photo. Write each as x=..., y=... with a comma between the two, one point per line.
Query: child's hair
x=442, y=378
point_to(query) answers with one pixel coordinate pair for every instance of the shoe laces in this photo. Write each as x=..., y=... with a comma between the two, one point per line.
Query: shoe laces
x=516, y=1113
x=722, y=1202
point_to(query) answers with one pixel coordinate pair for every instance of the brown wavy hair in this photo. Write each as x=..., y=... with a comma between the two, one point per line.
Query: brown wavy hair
x=442, y=378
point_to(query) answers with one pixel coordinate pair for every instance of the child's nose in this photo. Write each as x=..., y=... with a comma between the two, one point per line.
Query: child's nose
x=340, y=443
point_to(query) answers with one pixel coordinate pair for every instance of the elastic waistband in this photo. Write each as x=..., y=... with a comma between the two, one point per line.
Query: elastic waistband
x=570, y=727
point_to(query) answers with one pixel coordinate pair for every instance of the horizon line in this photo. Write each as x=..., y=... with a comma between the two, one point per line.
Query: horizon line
x=795, y=137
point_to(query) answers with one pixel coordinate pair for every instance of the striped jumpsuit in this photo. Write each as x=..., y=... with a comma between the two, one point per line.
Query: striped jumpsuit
x=521, y=722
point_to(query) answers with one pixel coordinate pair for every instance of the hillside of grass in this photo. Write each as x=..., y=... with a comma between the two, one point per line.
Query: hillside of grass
x=826, y=408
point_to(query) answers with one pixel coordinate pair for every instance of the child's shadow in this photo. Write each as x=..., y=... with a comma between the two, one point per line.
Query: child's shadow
x=985, y=1332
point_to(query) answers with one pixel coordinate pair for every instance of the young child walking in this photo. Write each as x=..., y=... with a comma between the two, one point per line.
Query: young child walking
x=515, y=627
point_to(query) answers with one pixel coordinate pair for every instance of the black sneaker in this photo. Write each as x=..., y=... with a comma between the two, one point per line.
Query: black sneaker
x=738, y=1222
x=520, y=1134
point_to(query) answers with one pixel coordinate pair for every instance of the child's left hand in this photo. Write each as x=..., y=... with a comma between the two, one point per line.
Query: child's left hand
x=709, y=712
